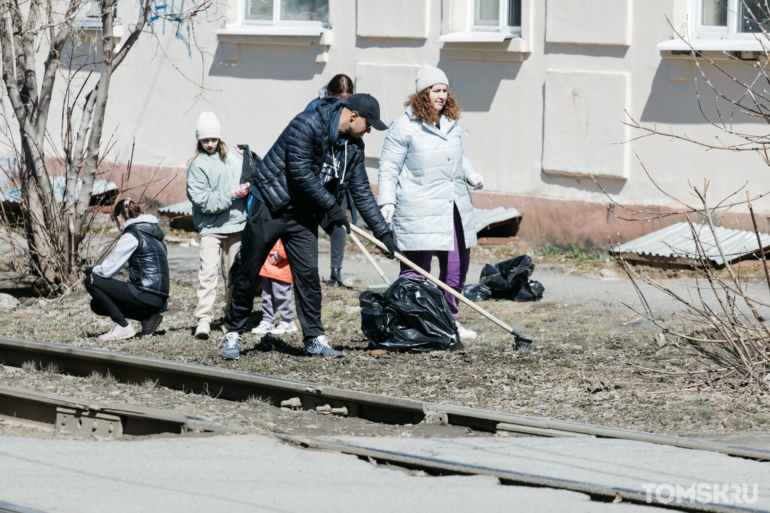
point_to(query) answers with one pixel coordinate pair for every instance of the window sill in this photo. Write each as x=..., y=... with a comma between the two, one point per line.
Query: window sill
x=478, y=46
x=745, y=48
x=275, y=35
x=309, y=36
x=477, y=37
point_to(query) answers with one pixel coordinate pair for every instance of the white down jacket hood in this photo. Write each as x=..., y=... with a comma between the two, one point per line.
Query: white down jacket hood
x=423, y=171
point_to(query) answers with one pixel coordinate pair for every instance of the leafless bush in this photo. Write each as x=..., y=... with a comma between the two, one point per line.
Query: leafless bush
x=40, y=35
x=720, y=317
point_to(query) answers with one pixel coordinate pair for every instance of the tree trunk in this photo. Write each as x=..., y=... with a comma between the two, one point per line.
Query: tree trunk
x=55, y=230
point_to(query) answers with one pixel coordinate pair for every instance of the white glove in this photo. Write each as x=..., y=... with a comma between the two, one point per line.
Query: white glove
x=475, y=180
x=387, y=212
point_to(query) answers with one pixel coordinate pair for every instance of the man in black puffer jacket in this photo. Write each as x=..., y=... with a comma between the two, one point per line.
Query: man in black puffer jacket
x=298, y=185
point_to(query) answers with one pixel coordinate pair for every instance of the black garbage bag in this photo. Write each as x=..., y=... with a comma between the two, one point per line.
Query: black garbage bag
x=510, y=280
x=412, y=315
x=531, y=291
x=250, y=162
x=477, y=292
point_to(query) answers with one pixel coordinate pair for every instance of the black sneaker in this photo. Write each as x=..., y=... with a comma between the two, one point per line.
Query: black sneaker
x=319, y=346
x=335, y=279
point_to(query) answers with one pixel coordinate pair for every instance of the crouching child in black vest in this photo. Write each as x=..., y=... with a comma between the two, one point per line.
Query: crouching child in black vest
x=144, y=296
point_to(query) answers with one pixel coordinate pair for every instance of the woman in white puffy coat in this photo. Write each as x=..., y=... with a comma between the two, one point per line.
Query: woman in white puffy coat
x=423, y=183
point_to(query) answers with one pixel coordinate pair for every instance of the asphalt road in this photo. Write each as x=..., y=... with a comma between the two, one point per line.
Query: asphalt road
x=560, y=287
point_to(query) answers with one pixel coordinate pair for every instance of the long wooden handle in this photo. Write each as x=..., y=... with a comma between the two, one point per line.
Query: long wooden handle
x=369, y=256
x=443, y=286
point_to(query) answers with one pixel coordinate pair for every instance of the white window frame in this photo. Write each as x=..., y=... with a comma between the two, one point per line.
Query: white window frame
x=503, y=17
x=85, y=22
x=276, y=21
x=731, y=31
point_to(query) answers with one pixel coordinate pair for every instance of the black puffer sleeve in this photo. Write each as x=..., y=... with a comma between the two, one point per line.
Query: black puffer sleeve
x=301, y=135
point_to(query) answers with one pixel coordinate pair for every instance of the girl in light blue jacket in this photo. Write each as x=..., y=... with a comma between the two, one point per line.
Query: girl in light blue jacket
x=219, y=213
x=423, y=185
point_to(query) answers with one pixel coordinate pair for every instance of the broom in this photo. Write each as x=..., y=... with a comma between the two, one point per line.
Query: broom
x=521, y=343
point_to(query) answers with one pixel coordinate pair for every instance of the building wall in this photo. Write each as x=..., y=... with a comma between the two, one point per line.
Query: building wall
x=541, y=113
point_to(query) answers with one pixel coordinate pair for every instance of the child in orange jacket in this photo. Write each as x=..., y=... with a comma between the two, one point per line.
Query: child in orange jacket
x=276, y=294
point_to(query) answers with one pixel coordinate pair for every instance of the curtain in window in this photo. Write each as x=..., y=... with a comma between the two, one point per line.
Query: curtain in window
x=514, y=13
x=755, y=17
x=260, y=10
x=714, y=13
x=305, y=10
x=487, y=12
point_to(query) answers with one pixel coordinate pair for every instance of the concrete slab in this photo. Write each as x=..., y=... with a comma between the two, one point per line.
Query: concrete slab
x=614, y=463
x=247, y=473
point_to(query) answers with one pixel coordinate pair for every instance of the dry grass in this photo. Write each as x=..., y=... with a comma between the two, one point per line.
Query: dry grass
x=596, y=366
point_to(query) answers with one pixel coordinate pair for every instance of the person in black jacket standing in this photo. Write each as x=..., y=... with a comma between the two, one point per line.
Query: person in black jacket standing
x=299, y=184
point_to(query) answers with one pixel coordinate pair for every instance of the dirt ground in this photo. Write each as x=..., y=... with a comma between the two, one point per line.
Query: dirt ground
x=255, y=413
x=593, y=364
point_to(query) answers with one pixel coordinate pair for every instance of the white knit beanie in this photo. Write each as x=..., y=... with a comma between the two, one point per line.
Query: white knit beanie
x=208, y=127
x=429, y=76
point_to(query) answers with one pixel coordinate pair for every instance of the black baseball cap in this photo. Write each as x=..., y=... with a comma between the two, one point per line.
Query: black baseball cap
x=368, y=108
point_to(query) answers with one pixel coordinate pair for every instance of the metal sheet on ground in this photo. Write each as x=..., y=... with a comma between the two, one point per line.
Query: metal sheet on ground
x=619, y=464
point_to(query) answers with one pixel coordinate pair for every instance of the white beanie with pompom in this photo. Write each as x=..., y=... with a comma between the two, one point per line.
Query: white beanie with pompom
x=429, y=76
x=208, y=127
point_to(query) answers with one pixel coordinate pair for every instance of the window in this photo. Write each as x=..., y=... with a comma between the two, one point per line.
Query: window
x=713, y=14
x=732, y=18
x=497, y=15
x=89, y=16
x=287, y=12
x=755, y=17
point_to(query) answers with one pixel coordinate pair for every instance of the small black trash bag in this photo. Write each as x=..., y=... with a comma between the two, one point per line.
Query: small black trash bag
x=510, y=280
x=531, y=291
x=477, y=292
x=412, y=315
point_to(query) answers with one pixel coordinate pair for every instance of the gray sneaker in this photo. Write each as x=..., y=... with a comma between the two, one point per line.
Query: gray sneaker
x=319, y=346
x=232, y=349
x=151, y=324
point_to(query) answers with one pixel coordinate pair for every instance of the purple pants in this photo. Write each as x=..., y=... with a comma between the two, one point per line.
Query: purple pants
x=453, y=265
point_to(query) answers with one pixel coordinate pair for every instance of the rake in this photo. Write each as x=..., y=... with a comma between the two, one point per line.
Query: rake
x=374, y=264
x=521, y=343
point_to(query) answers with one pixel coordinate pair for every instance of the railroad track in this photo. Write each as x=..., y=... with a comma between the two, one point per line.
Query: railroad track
x=85, y=419
x=82, y=419
x=238, y=386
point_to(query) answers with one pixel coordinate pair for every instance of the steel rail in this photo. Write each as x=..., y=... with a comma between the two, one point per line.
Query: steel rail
x=7, y=507
x=87, y=419
x=237, y=385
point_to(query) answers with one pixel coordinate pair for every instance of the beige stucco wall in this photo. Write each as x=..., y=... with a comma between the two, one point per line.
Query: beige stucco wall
x=541, y=112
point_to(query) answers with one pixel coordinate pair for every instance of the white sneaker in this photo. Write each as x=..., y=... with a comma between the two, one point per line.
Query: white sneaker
x=465, y=333
x=203, y=330
x=118, y=332
x=284, y=328
x=263, y=329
